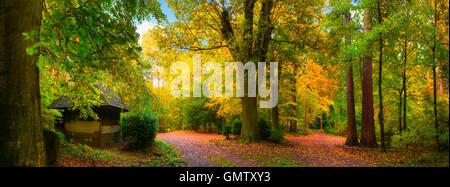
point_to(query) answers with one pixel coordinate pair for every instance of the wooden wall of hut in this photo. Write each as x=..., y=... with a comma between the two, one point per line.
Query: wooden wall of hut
x=97, y=133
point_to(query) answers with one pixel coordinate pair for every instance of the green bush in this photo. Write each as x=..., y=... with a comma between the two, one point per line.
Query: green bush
x=226, y=130
x=52, y=145
x=62, y=137
x=264, y=129
x=139, y=131
x=276, y=136
x=84, y=151
x=236, y=127
x=303, y=132
x=417, y=137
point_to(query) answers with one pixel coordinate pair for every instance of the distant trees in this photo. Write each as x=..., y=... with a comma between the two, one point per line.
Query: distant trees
x=198, y=115
x=387, y=33
x=315, y=51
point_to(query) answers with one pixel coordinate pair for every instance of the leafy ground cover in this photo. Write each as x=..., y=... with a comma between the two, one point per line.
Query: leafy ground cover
x=189, y=148
x=316, y=149
x=160, y=154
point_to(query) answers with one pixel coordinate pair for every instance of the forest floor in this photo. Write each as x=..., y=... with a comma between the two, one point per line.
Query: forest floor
x=160, y=154
x=314, y=150
x=200, y=152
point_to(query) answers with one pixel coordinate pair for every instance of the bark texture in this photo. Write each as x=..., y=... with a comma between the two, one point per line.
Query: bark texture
x=352, y=134
x=380, y=76
x=368, y=138
x=21, y=135
x=249, y=130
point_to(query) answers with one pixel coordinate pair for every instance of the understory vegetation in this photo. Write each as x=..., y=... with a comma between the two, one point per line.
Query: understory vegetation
x=159, y=154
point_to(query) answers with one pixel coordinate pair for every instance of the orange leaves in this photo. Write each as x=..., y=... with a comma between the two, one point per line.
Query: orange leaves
x=227, y=107
x=314, y=80
x=75, y=40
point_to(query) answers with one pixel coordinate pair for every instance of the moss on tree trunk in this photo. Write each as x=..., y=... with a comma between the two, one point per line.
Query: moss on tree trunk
x=21, y=137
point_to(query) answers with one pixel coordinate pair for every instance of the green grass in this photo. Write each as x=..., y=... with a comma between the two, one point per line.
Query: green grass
x=283, y=161
x=170, y=156
x=219, y=160
x=87, y=152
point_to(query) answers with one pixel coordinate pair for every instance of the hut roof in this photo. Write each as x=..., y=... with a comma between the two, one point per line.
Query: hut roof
x=108, y=97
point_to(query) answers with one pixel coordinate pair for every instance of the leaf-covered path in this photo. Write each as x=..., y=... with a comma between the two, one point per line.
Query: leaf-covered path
x=316, y=150
x=199, y=152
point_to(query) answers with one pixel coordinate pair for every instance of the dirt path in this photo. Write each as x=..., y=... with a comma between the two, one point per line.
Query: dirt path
x=315, y=150
x=200, y=149
x=321, y=150
x=197, y=149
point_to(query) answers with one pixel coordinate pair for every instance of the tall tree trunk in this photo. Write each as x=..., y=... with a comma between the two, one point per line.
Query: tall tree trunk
x=368, y=138
x=400, y=111
x=293, y=108
x=352, y=134
x=380, y=76
x=21, y=136
x=249, y=130
x=262, y=45
x=181, y=114
x=436, y=125
x=404, y=84
x=306, y=112
x=274, y=114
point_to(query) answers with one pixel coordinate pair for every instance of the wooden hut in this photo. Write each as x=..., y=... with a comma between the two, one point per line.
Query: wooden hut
x=89, y=131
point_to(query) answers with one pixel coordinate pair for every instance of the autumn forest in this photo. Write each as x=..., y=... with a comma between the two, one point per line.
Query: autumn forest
x=359, y=83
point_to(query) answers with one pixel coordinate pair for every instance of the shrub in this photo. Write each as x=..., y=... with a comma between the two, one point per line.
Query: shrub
x=52, y=145
x=303, y=132
x=417, y=137
x=84, y=151
x=226, y=130
x=264, y=129
x=62, y=137
x=276, y=136
x=139, y=131
x=236, y=127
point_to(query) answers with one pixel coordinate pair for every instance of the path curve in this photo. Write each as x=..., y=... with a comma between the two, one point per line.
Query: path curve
x=197, y=149
x=316, y=149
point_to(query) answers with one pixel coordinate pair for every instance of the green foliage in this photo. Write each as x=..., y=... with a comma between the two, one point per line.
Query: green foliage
x=170, y=156
x=197, y=114
x=282, y=161
x=62, y=137
x=219, y=160
x=418, y=137
x=139, y=131
x=85, y=151
x=320, y=119
x=276, y=136
x=226, y=130
x=82, y=42
x=264, y=129
x=236, y=127
x=303, y=132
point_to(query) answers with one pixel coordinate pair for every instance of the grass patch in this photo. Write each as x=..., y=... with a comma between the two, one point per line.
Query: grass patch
x=283, y=161
x=169, y=156
x=219, y=160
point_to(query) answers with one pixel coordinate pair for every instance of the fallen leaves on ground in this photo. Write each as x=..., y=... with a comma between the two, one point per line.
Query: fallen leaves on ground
x=198, y=150
x=159, y=154
x=314, y=150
